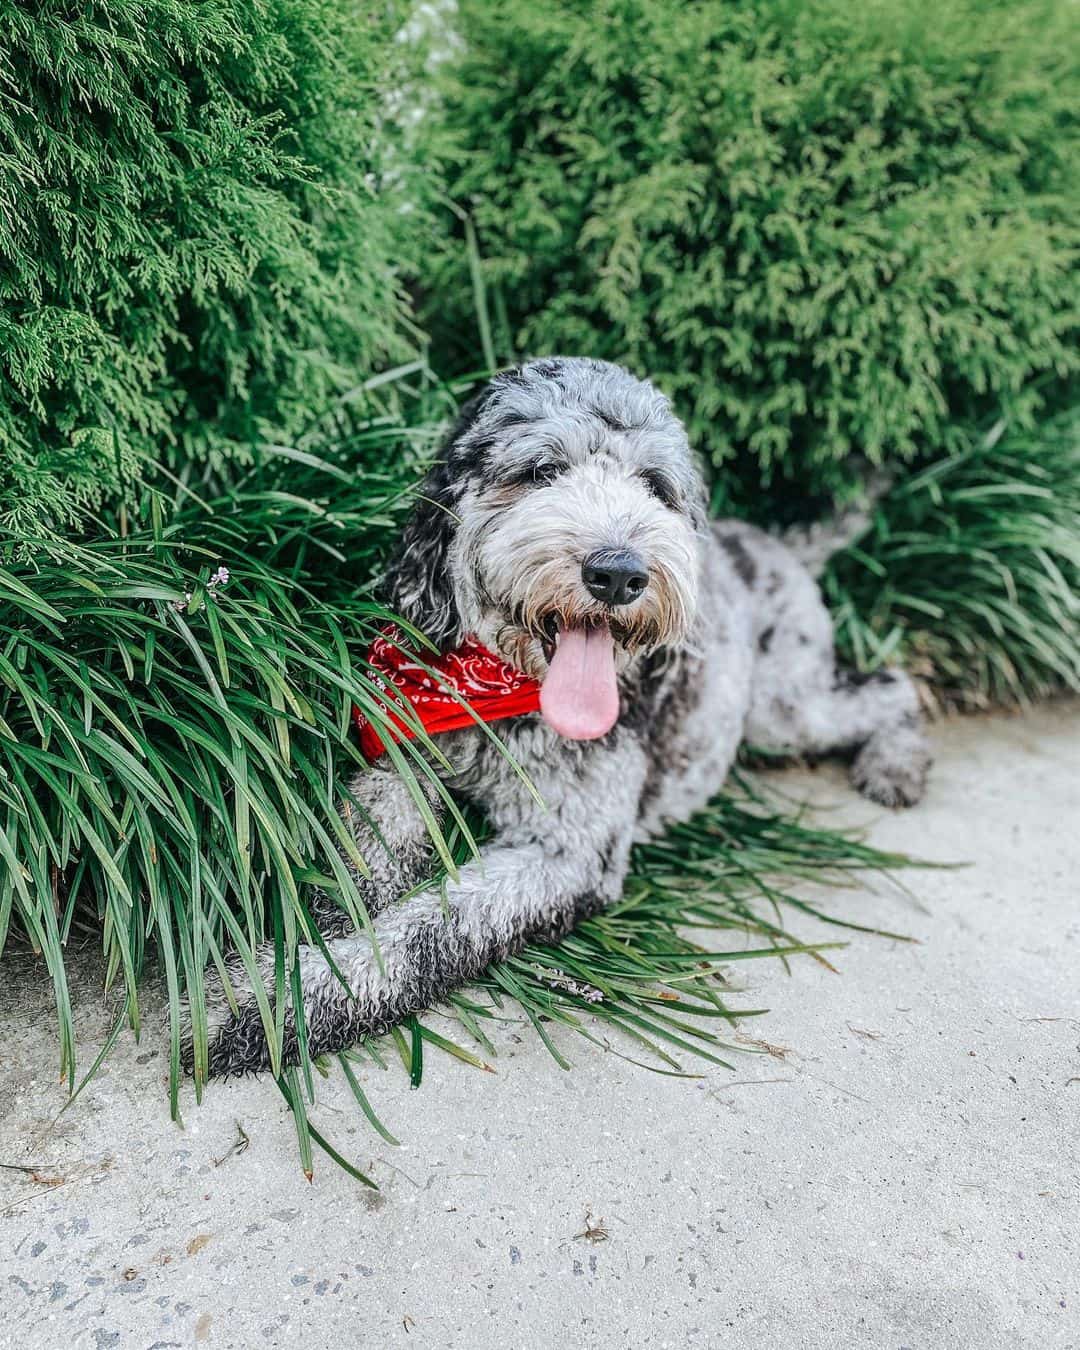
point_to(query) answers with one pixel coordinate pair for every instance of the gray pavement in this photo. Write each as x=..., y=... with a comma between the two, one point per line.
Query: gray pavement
x=903, y=1171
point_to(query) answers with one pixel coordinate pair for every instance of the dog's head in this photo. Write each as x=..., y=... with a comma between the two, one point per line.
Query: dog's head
x=561, y=525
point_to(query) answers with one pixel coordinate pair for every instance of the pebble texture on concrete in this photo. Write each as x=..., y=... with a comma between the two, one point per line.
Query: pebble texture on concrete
x=907, y=1174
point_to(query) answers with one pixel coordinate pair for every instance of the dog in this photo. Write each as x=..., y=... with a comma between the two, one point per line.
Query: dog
x=564, y=528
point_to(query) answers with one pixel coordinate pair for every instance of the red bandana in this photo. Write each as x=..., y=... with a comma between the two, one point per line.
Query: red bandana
x=491, y=687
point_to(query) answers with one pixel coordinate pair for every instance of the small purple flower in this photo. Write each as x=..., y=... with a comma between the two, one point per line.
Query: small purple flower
x=220, y=578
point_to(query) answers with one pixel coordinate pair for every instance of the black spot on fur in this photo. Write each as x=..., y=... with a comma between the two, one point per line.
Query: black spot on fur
x=741, y=559
x=470, y=457
x=536, y=473
x=328, y=917
x=607, y=854
x=609, y=420
x=764, y=642
x=481, y=587
x=550, y=368
x=468, y=413
x=512, y=418
x=856, y=679
x=241, y=1047
x=581, y=906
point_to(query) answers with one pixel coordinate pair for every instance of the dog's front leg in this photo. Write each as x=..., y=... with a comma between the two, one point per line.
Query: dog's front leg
x=535, y=880
x=391, y=835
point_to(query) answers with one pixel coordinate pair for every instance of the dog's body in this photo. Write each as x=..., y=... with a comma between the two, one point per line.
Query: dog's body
x=714, y=633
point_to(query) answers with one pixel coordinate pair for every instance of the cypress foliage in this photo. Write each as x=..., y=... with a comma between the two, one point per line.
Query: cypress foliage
x=826, y=229
x=196, y=244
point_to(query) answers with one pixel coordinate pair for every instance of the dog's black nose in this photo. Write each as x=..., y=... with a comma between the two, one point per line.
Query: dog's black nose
x=615, y=575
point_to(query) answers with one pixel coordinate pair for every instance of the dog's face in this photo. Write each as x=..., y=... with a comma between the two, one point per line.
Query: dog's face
x=569, y=539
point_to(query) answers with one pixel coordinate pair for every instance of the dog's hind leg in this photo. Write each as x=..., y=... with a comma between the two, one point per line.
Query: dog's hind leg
x=875, y=717
x=803, y=703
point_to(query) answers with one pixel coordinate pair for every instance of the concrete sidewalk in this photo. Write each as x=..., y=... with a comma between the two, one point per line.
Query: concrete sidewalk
x=905, y=1174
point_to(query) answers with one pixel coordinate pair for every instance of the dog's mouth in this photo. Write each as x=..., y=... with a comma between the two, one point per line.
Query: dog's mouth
x=579, y=696
x=551, y=626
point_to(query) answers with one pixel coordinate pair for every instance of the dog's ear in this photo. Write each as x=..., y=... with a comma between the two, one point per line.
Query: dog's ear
x=417, y=583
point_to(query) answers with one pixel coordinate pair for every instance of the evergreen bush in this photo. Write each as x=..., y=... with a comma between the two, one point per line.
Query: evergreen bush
x=826, y=229
x=197, y=245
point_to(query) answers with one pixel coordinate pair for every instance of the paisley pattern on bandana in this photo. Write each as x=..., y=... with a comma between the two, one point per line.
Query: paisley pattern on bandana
x=491, y=687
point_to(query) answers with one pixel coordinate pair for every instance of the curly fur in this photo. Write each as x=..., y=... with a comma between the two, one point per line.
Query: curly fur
x=731, y=640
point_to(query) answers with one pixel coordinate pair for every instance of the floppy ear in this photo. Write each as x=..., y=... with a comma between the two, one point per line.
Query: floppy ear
x=417, y=583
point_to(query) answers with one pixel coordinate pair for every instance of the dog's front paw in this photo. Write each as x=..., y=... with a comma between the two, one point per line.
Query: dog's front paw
x=240, y=1045
x=235, y=1044
x=892, y=771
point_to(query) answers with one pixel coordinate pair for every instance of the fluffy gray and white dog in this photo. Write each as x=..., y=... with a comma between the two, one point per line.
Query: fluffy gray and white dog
x=564, y=527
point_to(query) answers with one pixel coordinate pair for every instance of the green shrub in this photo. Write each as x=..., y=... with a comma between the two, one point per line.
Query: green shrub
x=824, y=228
x=196, y=246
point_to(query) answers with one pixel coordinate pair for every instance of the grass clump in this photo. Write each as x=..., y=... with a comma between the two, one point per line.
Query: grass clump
x=970, y=573
x=175, y=707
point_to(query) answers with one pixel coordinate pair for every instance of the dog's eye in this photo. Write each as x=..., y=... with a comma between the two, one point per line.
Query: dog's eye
x=661, y=487
x=543, y=471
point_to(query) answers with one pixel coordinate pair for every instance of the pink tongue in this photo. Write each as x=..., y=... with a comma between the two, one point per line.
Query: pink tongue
x=579, y=697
